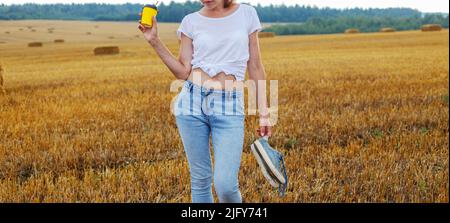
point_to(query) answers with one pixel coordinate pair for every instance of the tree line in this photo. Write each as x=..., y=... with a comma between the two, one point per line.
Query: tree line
x=304, y=19
x=174, y=12
x=318, y=25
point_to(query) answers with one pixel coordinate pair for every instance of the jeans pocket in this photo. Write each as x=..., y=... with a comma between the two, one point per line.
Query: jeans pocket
x=180, y=102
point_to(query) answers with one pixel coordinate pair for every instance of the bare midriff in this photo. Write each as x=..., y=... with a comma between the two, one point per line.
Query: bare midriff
x=221, y=81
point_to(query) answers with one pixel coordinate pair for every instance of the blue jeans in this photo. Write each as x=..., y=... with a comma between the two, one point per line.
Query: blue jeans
x=201, y=114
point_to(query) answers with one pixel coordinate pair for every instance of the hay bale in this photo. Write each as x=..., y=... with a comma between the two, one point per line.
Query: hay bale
x=35, y=44
x=59, y=41
x=7, y=32
x=33, y=30
x=106, y=50
x=20, y=29
x=388, y=30
x=352, y=31
x=266, y=34
x=88, y=33
x=2, y=88
x=431, y=27
x=111, y=37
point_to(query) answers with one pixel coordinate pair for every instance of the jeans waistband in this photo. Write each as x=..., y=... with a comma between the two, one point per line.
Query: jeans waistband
x=194, y=88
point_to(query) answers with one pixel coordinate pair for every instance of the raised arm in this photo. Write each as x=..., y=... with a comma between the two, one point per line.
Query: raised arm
x=180, y=67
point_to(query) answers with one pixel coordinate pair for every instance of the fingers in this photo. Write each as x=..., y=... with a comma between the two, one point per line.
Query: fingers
x=142, y=28
x=155, y=22
x=264, y=131
x=268, y=131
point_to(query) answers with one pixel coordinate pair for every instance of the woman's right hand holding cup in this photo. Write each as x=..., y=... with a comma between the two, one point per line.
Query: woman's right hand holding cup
x=150, y=34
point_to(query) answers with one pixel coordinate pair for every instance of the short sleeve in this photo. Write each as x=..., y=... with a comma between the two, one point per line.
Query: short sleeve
x=185, y=27
x=254, y=22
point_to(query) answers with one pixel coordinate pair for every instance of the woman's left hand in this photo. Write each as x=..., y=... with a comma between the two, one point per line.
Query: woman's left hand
x=265, y=128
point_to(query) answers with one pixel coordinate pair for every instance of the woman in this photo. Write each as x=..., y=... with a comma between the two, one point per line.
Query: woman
x=218, y=44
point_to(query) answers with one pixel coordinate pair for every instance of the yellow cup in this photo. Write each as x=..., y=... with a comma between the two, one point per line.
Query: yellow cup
x=148, y=12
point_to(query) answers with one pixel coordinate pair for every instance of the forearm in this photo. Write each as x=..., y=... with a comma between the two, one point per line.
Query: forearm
x=180, y=70
x=258, y=75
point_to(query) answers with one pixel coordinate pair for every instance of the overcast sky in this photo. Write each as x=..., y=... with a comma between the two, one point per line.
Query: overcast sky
x=422, y=5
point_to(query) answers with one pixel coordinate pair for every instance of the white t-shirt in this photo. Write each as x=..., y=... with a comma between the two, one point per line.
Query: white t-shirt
x=221, y=44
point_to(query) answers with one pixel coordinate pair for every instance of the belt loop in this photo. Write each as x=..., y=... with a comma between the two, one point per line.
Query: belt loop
x=190, y=86
x=208, y=91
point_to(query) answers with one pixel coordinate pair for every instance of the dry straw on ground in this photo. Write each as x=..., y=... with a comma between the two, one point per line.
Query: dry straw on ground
x=362, y=118
x=266, y=34
x=388, y=30
x=352, y=31
x=431, y=27
x=59, y=41
x=35, y=44
x=106, y=50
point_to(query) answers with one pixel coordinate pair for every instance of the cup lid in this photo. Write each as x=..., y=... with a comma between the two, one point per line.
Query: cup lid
x=151, y=6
